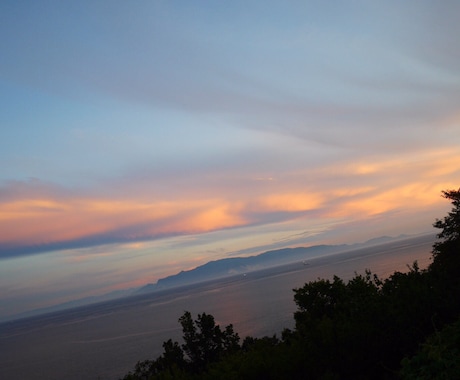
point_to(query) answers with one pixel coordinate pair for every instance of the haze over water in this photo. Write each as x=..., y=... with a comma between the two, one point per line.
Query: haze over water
x=105, y=341
x=138, y=139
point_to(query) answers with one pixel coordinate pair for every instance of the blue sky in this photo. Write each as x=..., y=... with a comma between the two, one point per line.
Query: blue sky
x=142, y=138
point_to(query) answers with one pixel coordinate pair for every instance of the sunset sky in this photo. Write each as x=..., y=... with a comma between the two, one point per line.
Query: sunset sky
x=141, y=138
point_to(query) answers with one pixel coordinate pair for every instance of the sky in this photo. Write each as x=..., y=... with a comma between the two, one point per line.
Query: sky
x=141, y=138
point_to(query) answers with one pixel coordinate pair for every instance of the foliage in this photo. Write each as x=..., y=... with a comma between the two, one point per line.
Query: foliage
x=438, y=358
x=204, y=343
x=446, y=252
x=359, y=329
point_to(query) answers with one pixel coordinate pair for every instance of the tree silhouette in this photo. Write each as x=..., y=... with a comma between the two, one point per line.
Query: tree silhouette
x=362, y=328
x=205, y=342
x=446, y=253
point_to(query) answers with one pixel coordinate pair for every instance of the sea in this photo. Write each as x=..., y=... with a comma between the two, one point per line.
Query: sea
x=104, y=341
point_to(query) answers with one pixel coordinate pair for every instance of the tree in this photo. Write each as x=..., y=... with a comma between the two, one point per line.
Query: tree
x=335, y=321
x=359, y=329
x=205, y=342
x=446, y=253
x=319, y=298
x=438, y=358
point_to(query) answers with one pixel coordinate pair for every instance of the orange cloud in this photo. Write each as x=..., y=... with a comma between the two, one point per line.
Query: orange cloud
x=351, y=192
x=411, y=196
x=41, y=221
x=217, y=217
x=352, y=189
x=291, y=202
x=46, y=220
x=29, y=208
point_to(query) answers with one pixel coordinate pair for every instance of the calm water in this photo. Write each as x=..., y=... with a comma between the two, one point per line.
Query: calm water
x=106, y=340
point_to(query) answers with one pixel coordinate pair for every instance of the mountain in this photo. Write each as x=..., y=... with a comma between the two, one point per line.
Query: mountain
x=216, y=269
x=384, y=239
x=240, y=265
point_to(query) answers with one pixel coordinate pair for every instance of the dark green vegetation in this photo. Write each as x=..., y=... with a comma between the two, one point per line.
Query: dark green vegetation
x=406, y=326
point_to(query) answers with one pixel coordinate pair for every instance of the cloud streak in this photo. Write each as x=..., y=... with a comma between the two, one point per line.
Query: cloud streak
x=38, y=218
x=142, y=138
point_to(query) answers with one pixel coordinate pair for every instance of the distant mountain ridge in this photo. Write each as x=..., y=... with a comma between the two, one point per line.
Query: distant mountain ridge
x=240, y=265
x=235, y=265
x=215, y=269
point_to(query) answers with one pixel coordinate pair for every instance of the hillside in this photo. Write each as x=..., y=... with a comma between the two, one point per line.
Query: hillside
x=241, y=265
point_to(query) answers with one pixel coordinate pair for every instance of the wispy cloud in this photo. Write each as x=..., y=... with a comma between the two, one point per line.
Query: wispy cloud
x=37, y=218
x=146, y=136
